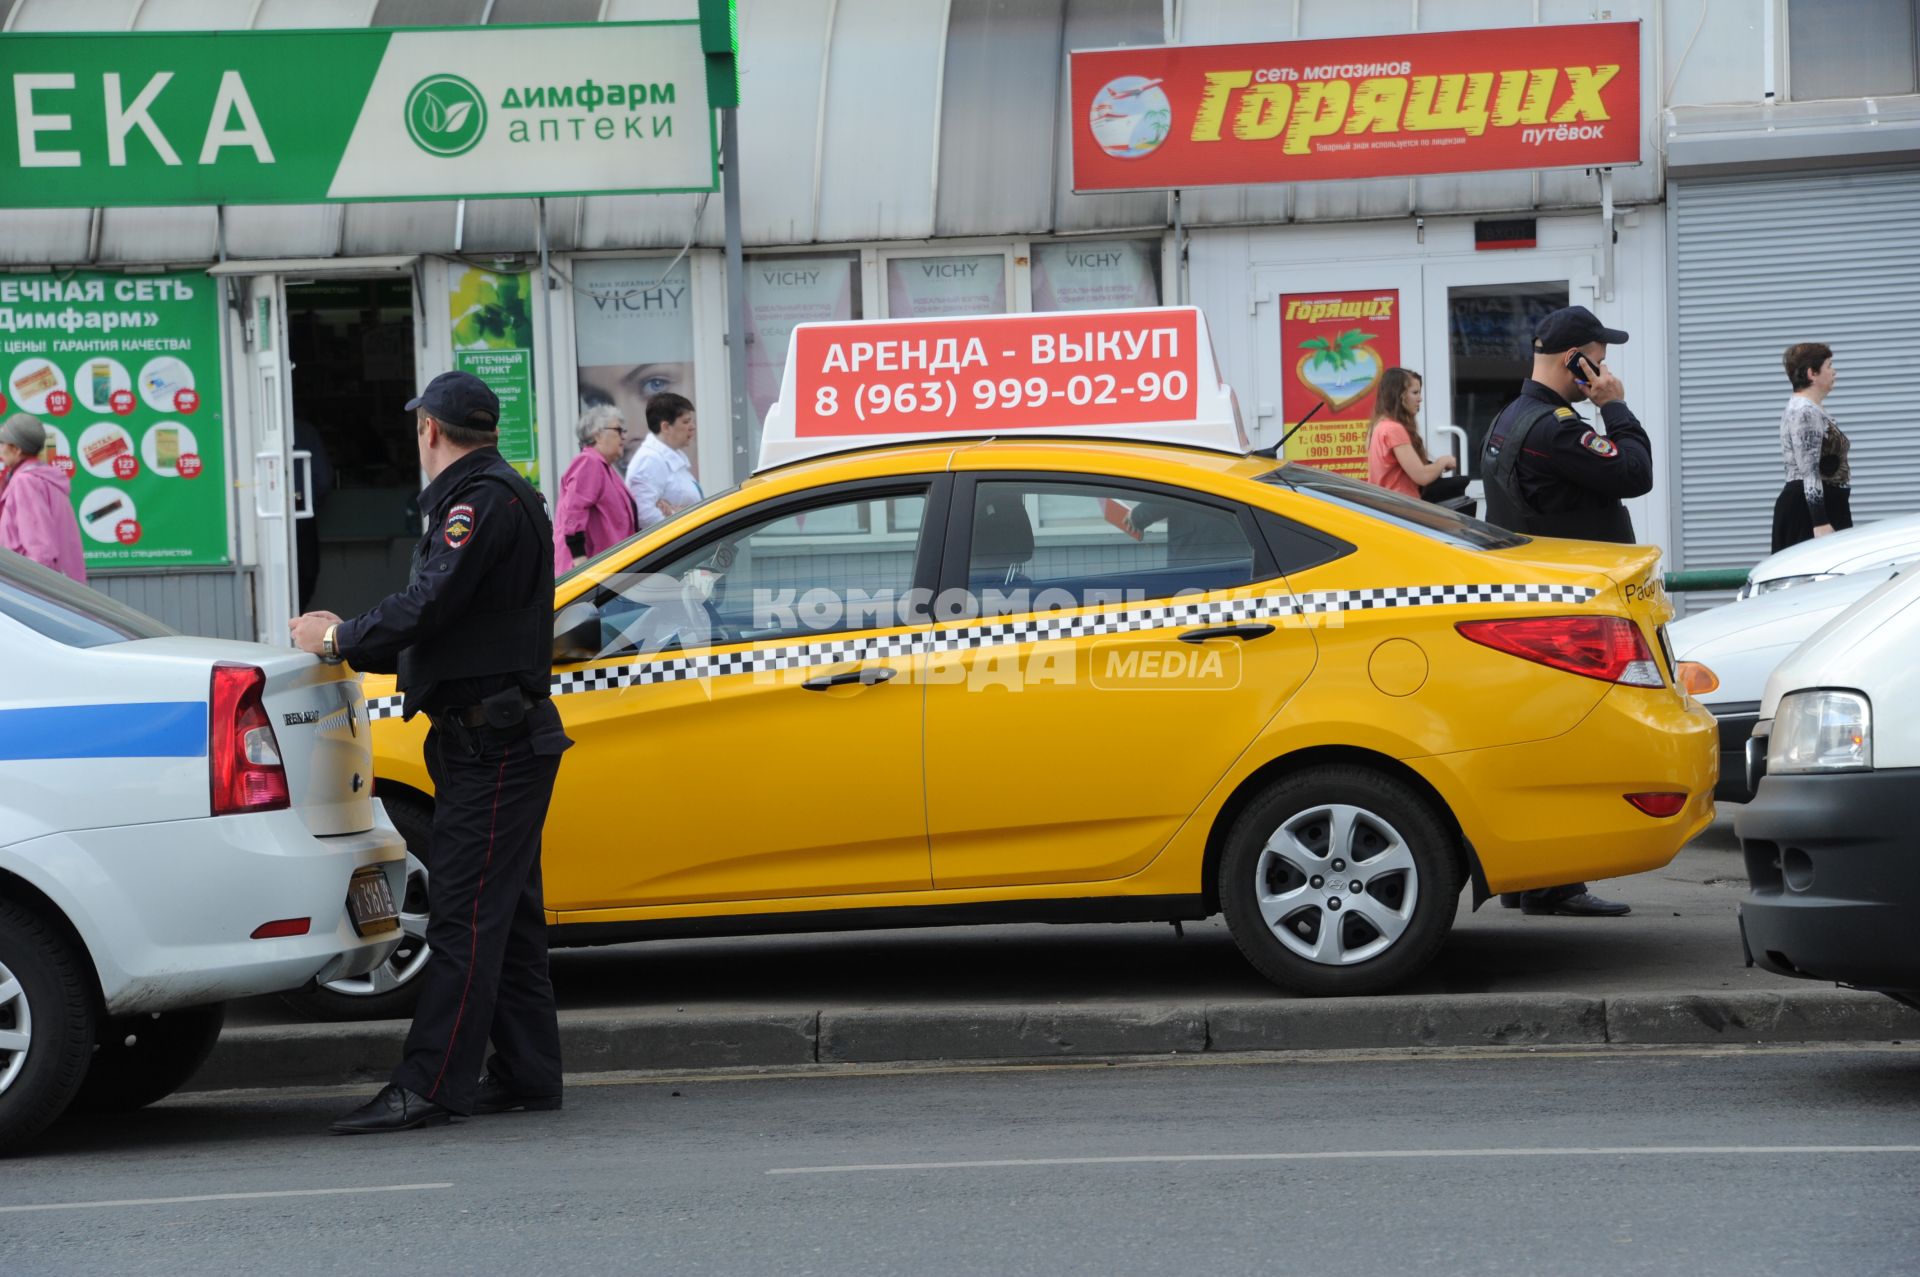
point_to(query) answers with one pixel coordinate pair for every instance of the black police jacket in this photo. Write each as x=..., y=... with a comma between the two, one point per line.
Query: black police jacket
x=477, y=614
x=1568, y=480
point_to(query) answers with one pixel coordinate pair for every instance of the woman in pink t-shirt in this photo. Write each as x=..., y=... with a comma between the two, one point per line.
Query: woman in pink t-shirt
x=1396, y=454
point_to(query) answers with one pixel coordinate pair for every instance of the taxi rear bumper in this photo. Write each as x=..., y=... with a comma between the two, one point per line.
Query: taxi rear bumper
x=1549, y=812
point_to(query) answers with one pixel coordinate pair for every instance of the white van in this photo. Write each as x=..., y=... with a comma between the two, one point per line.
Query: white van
x=1830, y=836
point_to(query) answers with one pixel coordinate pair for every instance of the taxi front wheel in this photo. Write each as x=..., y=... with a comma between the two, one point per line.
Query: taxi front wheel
x=1339, y=880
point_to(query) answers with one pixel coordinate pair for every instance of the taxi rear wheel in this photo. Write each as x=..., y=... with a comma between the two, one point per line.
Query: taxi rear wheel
x=46, y=1024
x=389, y=991
x=144, y=1058
x=1339, y=880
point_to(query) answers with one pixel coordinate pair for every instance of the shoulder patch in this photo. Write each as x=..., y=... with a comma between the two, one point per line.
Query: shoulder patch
x=1599, y=445
x=1565, y=414
x=459, y=526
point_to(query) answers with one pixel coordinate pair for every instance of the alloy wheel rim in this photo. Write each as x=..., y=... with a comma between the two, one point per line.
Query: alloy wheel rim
x=1336, y=884
x=410, y=958
x=16, y=1028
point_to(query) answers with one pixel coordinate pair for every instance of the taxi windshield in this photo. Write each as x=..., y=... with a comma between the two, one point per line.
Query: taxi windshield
x=671, y=519
x=1430, y=520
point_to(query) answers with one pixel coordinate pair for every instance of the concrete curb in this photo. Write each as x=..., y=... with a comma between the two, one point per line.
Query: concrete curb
x=325, y=1054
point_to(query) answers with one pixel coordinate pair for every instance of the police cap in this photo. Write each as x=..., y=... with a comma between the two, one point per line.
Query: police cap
x=1570, y=327
x=460, y=399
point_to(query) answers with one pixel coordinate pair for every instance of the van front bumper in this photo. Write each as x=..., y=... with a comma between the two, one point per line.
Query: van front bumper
x=1834, y=866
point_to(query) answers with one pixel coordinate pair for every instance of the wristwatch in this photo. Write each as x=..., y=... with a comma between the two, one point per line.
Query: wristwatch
x=330, y=650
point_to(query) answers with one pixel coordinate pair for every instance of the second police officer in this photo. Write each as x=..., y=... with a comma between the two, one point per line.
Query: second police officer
x=1550, y=472
x=471, y=641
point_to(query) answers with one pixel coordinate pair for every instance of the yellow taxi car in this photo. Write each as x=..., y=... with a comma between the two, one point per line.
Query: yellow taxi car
x=1015, y=657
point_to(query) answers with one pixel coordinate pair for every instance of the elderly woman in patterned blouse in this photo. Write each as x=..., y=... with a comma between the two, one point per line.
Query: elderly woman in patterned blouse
x=1817, y=497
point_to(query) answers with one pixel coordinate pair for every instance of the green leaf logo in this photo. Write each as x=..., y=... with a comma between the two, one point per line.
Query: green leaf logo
x=445, y=115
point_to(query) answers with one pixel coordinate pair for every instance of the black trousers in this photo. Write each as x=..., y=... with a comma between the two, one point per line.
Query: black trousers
x=486, y=977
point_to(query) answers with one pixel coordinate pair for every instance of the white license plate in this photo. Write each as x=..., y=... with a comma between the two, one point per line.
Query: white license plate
x=370, y=903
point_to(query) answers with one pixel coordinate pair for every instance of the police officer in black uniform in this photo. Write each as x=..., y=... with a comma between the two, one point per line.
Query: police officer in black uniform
x=471, y=640
x=1551, y=473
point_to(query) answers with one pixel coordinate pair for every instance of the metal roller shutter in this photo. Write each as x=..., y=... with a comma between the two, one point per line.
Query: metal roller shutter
x=1762, y=264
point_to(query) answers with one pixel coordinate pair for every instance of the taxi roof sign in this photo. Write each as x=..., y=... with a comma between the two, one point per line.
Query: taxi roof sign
x=1140, y=375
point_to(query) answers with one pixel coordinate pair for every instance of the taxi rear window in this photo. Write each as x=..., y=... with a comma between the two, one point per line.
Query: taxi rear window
x=1424, y=517
x=67, y=612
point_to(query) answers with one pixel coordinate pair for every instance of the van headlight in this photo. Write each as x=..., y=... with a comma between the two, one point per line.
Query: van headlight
x=1821, y=731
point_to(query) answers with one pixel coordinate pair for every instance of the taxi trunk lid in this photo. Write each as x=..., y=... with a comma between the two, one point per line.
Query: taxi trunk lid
x=1628, y=578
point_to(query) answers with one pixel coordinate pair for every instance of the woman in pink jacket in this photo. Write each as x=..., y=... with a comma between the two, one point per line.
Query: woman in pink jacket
x=36, y=505
x=596, y=510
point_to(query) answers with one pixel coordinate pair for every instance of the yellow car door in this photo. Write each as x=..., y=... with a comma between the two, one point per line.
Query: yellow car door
x=1123, y=662
x=736, y=737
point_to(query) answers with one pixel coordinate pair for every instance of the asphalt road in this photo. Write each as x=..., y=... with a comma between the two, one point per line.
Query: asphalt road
x=1613, y=1161
x=1682, y=937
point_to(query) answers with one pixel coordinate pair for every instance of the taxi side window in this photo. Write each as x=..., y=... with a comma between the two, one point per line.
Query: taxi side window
x=1102, y=543
x=826, y=569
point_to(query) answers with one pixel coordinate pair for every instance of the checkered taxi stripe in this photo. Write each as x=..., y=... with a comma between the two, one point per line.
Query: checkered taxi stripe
x=1034, y=629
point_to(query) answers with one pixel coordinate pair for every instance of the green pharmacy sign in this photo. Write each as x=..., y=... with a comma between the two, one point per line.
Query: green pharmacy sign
x=124, y=373
x=264, y=117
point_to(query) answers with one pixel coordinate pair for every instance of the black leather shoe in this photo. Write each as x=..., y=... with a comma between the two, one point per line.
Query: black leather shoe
x=394, y=1109
x=1584, y=905
x=494, y=1096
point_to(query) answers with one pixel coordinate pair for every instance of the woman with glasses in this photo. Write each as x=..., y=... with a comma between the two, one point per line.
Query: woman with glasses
x=596, y=510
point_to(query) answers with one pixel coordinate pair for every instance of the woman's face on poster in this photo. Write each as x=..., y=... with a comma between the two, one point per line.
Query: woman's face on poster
x=629, y=388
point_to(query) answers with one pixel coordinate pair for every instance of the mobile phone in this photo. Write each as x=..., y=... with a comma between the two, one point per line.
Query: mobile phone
x=1574, y=360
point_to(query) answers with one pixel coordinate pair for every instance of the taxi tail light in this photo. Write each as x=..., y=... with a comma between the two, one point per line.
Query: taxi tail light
x=1609, y=648
x=244, y=756
x=1661, y=805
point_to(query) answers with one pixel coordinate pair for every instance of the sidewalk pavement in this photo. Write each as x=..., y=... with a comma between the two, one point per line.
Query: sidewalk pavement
x=1669, y=973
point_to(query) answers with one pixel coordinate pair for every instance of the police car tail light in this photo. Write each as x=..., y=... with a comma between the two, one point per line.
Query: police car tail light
x=246, y=768
x=1609, y=648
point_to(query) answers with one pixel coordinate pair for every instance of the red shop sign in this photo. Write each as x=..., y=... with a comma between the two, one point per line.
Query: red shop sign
x=1162, y=117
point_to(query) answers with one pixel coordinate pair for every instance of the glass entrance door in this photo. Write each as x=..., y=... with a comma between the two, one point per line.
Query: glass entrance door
x=352, y=343
x=1479, y=338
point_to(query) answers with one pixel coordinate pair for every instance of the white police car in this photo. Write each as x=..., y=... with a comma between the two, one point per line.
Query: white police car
x=182, y=821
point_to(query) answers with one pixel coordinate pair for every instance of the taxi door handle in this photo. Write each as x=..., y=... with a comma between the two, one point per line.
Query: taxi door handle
x=866, y=677
x=1227, y=631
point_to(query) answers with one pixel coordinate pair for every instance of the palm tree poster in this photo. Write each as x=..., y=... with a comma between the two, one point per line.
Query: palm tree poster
x=1333, y=349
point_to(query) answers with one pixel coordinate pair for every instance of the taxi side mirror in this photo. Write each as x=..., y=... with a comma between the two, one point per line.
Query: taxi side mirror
x=576, y=632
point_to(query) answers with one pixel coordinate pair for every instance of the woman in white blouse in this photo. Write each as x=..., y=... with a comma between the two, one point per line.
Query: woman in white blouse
x=660, y=477
x=1817, y=497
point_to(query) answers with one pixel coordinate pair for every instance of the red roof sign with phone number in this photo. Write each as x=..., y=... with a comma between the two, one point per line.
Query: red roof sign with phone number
x=1166, y=117
x=1143, y=374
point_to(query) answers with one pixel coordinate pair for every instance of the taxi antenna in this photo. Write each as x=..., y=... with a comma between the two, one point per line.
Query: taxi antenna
x=1274, y=451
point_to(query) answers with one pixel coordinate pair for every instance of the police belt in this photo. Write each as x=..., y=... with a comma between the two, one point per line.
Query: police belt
x=504, y=709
